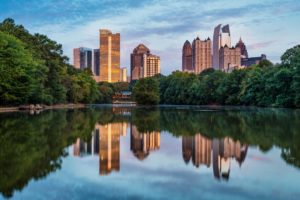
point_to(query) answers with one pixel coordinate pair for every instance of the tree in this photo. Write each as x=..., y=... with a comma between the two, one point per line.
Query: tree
x=34, y=70
x=291, y=59
x=21, y=75
x=146, y=91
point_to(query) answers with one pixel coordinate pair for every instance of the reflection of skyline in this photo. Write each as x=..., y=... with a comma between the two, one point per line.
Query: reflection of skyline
x=198, y=149
x=201, y=150
x=142, y=143
x=105, y=142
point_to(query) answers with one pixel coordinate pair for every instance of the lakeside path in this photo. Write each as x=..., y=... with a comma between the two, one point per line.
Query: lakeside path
x=58, y=106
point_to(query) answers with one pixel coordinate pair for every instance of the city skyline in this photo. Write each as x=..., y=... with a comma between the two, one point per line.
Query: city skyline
x=262, y=32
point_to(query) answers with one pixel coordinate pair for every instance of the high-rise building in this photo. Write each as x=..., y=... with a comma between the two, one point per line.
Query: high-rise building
x=230, y=58
x=82, y=58
x=137, y=61
x=201, y=55
x=187, y=64
x=242, y=46
x=221, y=38
x=123, y=74
x=143, y=64
x=109, y=56
x=96, y=61
x=151, y=65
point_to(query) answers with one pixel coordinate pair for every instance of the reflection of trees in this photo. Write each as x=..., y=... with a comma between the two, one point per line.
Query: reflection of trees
x=262, y=127
x=32, y=146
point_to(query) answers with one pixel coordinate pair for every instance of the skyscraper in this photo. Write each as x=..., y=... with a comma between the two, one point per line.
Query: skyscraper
x=187, y=64
x=109, y=56
x=242, y=46
x=137, y=61
x=82, y=58
x=221, y=39
x=151, y=65
x=201, y=55
x=123, y=74
x=230, y=58
x=96, y=61
x=143, y=63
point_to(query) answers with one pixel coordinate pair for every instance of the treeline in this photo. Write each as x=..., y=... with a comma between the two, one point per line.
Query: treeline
x=34, y=70
x=264, y=85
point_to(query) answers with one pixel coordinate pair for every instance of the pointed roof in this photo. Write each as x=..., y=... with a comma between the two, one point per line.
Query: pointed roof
x=141, y=48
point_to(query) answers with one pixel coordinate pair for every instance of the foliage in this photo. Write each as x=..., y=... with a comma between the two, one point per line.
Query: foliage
x=146, y=91
x=34, y=70
x=21, y=75
x=263, y=84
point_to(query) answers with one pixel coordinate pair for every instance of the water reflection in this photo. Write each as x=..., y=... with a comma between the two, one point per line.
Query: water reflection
x=142, y=143
x=34, y=146
x=200, y=150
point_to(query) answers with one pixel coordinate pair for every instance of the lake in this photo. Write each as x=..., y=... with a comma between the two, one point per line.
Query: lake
x=168, y=152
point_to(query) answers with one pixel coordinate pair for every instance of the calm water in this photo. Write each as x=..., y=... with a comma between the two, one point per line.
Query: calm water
x=151, y=153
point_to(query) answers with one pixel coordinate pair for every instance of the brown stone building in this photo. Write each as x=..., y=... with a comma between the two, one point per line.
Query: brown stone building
x=242, y=46
x=202, y=58
x=187, y=63
x=230, y=58
x=109, y=56
x=196, y=57
x=143, y=63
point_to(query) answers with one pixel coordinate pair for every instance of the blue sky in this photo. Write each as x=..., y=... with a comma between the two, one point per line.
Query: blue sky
x=266, y=26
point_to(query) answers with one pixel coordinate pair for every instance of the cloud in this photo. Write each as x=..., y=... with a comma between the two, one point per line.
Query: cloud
x=260, y=45
x=161, y=25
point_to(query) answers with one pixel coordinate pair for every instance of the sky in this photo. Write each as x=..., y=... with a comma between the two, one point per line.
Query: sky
x=266, y=26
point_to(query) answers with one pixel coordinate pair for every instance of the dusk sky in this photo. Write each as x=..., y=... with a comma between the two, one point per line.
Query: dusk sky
x=269, y=26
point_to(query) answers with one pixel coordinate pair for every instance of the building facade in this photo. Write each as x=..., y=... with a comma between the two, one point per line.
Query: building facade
x=247, y=62
x=201, y=55
x=221, y=38
x=82, y=58
x=242, y=46
x=137, y=61
x=151, y=65
x=96, y=61
x=187, y=63
x=230, y=58
x=109, y=56
x=123, y=74
x=143, y=64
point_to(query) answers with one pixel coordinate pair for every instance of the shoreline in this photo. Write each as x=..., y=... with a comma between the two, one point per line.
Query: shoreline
x=52, y=107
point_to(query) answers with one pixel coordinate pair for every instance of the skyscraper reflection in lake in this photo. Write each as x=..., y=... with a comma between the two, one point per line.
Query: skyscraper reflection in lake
x=201, y=150
x=105, y=142
x=142, y=143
